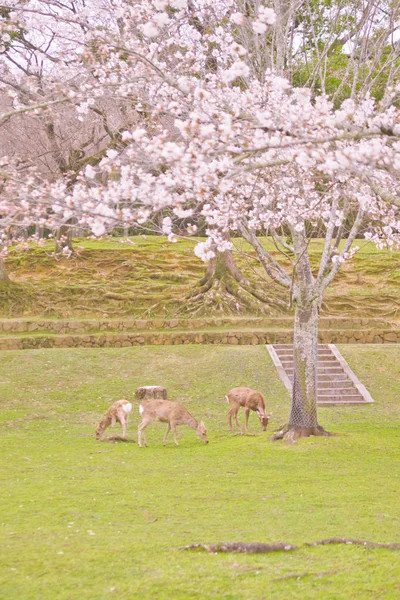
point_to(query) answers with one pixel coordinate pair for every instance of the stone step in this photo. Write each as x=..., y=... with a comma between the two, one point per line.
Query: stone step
x=344, y=383
x=338, y=392
x=341, y=397
x=289, y=356
x=321, y=370
x=341, y=400
x=278, y=347
x=332, y=377
x=324, y=356
x=285, y=349
x=321, y=363
x=289, y=353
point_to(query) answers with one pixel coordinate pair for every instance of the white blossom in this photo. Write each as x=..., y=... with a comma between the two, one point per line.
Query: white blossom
x=259, y=27
x=166, y=225
x=161, y=19
x=237, y=18
x=138, y=134
x=90, y=172
x=112, y=154
x=266, y=15
x=98, y=228
x=238, y=69
x=150, y=30
x=160, y=4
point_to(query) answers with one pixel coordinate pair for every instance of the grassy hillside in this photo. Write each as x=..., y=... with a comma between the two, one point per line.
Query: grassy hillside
x=99, y=520
x=150, y=277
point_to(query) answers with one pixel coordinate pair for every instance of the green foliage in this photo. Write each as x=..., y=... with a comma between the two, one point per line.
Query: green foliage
x=96, y=520
x=362, y=64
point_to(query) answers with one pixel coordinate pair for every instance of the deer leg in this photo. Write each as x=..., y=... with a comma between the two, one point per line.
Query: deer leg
x=173, y=427
x=236, y=419
x=247, y=411
x=230, y=415
x=166, y=434
x=123, y=419
x=141, y=432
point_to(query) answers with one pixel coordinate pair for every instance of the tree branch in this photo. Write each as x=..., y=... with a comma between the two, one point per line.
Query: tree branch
x=271, y=266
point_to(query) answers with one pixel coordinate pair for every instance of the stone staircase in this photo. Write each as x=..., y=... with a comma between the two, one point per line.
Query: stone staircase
x=337, y=384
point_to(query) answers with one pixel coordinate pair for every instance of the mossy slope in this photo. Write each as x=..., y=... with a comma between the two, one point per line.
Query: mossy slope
x=150, y=277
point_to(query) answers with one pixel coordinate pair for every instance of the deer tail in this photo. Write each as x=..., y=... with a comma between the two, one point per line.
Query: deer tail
x=127, y=408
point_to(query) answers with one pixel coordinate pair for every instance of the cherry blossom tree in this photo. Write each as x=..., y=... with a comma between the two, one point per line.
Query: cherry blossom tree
x=238, y=146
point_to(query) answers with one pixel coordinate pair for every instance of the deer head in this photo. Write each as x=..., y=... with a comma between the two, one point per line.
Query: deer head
x=99, y=431
x=264, y=420
x=202, y=432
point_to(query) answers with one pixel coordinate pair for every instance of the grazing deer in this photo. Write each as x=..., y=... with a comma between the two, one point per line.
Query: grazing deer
x=117, y=413
x=172, y=413
x=250, y=400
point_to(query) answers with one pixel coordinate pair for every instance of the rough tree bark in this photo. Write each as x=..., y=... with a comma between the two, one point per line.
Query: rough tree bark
x=303, y=420
x=305, y=356
x=63, y=238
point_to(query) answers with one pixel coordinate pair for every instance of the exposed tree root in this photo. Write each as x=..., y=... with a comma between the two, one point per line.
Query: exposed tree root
x=259, y=548
x=252, y=548
x=350, y=541
x=225, y=295
x=224, y=289
x=292, y=433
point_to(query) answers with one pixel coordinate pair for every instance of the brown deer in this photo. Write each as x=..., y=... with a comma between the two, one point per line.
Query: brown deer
x=117, y=413
x=172, y=413
x=250, y=400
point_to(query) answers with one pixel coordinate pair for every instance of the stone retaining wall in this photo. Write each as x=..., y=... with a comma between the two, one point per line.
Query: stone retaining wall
x=118, y=340
x=98, y=325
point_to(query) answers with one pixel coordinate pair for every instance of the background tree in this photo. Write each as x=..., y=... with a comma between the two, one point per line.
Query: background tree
x=36, y=62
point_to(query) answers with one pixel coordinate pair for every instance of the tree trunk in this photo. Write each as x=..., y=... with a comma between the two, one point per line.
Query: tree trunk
x=4, y=278
x=305, y=359
x=303, y=420
x=39, y=231
x=222, y=264
x=63, y=239
x=151, y=392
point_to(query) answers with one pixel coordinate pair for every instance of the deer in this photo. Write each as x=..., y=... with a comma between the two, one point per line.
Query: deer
x=172, y=413
x=250, y=400
x=117, y=413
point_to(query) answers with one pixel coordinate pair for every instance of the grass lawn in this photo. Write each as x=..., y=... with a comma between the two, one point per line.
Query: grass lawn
x=88, y=520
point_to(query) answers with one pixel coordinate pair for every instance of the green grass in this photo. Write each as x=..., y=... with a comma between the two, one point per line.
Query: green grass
x=98, y=520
